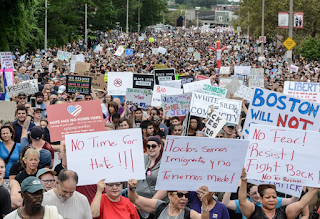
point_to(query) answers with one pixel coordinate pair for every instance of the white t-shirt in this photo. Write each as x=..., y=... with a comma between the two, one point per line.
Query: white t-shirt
x=50, y=212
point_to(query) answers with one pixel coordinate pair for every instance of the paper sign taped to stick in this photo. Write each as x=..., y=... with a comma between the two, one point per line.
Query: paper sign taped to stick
x=306, y=91
x=277, y=109
x=116, y=154
x=214, y=123
x=80, y=84
x=78, y=117
x=118, y=82
x=196, y=86
x=217, y=91
x=173, y=83
x=244, y=92
x=144, y=81
x=161, y=90
x=141, y=98
x=283, y=155
x=8, y=109
x=176, y=105
x=200, y=102
x=190, y=162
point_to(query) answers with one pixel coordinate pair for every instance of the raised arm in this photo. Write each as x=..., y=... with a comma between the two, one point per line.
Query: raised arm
x=229, y=203
x=204, y=195
x=95, y=205
x=287, y=201
x=246, y=207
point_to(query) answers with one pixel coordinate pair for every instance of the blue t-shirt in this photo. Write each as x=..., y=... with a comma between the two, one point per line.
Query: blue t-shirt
x=258, y=204
x=4, y=153
x=219, y=211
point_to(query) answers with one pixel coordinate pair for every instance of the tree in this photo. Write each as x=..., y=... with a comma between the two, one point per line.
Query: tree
x=310, y=48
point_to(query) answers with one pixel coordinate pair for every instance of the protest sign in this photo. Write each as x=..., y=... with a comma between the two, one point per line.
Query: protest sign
x=144, y=81
x=141, y=98
x=256, y=77
x=166, y=74
x=242, y=70
x=2, y=90
x=162, y=50
x=50, y=67
x=229, y=109
x=173, y=83
x=14, y=90
x=98, y=49
x=214, y=124
x=201, y=77
x=217, y=91
x=118, y=82
x=197, y=56
x=37, y=64
x=224, y=81
x=140, y=38
x=151, y=40
x=244, y=92
x=78, y=117
x=196, y=86
x=129, y=52
x=81, y=67
x=22, y=58
x=200, y=103
x=160, y=90
x=294, y=68
x=185, y=79
x=78, y=84
x=78, y=58
x=6, y=60
x=9, y=75
x=8, y=109
x=176, y=105
x=97, y=80
x=233, y=86
x=277, y=109
x=119, y=51
x=224, y=70
x=160, y=66
x=154, y=51
x=190, y=49
x=306, y=91
x=116, y=154
x=60, y=55
x=190, y=162
x=290, y=189
x=33, y=85
x=283, y=155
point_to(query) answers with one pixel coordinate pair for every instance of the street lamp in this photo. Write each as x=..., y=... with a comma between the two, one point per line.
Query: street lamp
x=198, y=18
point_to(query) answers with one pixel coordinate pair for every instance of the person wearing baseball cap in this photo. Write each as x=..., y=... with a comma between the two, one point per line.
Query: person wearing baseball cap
x=22, y=98
x=47, y=177
x=229, y=129
x=32, y=195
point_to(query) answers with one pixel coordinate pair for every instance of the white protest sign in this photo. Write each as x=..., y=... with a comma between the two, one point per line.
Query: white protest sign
x=294, y=68
x=98, y=49
x=190, y=162
x=224, y=70
x=155, y=51
x=303, y=90
x=60, y=55
x=118, y=82
x=197, y=56
x=217, y=91
x=283, y=155
x=200, y=103
x=119, y=51
x=196, y=86
x=256, y=77
x=173, y=83
x=233, y=86
x=229, y=109
x=176, y=105
x=34, y=86
x=73, y=65
x=214, y=124
x=162, y=50
x=244, y=92
x=14, y=90
x=141, y=38
x=116, y=154
x=50, y=67
x=37, y=64
x=190, y=49
x=277, y=109
x=78, y=58
x=23, y=58
x=141, y=98
x=224, y=81
x=6, y=60
x=242, y=70
x=9, y=75
x=159, y=90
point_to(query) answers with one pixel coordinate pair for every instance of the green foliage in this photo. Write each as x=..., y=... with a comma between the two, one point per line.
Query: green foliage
x=174, y=15
x=310, y=48
x=201, y=3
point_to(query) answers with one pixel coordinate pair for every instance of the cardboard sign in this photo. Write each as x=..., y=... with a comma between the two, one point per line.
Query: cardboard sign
x=200, y=103
x=8, y=109
x=116, y=154
x=141, y=98
x=186, y=79
x=78, y=58
x=14, y=90
x=306, y=91
x=144, y=81
x=6, y=60
x=244, y=92
x=82, y=67
x=9, y=75
x=196, y=86
x=214, y=124
x=97, y=79
x=224, y=70
x=174, y=84
x=78, y=117
x=164, y=74
x=256, y=77
x=176, y=105
x=78, y=84
x=118, y=82
x=161, y=90
x=242, y=70
x=216, y=91
x=282, y=155
x=229, y=109
x=277, y=109
x=190, y=162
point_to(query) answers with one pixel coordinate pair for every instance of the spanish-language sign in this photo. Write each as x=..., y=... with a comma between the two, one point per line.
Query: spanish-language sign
x=214, y=124
x=97, y=80
x=283, y=155
x=118, y=82
x=77, y=117
x=78, y=84
x=244, y=92
x=115, y=154
x=8, y=109
x=290, y=189
x=217, y=91
x=224, y=70
x=190, y=162
x=141, y=98
x=256, y=77
x=229, y=109
x=186, y=79
x=303, y=90
x=200, y=102
x=9, y=75
x=196, y=86
x=176, y=105
x=277, y=109
x=82, y=67
x=14, y=90
x=6, y=60
x=144, y=81
x=242, y=70
x=165, y=74
x=174, y=83
x=160, y=90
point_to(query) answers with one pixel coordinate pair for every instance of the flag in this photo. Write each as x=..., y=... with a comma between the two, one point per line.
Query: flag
x=4, y=96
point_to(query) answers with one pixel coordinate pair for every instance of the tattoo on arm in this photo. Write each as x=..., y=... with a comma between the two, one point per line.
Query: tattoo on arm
x=26, y=124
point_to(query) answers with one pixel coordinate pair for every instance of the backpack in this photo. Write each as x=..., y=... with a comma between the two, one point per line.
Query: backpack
x=164, y=205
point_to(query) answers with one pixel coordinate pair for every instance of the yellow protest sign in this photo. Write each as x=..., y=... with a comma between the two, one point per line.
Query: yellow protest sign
x=289, y=43
x=151, y=40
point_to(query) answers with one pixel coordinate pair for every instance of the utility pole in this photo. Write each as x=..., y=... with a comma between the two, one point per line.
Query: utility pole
x=85, y=26
x=248, y=26
x=139, y=18
x=198, y=19
x=289, y=52
x=46, y=25
x=262, y=29
x=127, y=25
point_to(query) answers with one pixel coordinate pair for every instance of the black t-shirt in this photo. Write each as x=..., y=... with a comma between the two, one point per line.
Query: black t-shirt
x=58, y=168
x=160, y=133
x=22, y=175
x=16, y=168
x=259, y=214
x=5, y=202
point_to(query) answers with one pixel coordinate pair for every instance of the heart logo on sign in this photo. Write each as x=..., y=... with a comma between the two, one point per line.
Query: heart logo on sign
x=74, y=110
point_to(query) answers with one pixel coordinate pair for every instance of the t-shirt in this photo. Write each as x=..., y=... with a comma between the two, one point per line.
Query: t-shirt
x=257, y=204
x=47, y=214
x=259, y=214
x=5, y=202
x=16, y=168
x=219, y=211
x=123, y=209
x=58, y=168
x=4, y=153
x=164, y=214
x=22, y=175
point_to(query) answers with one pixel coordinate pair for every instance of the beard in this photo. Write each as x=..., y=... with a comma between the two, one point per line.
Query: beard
x=39, y=102
x=36, y=208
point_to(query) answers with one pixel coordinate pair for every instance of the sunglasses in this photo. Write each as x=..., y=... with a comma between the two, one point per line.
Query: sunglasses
x=156, y=119
x=88, y=99
x=22, y=98
x=153, y=146
x=219, y=136
x=180, y=194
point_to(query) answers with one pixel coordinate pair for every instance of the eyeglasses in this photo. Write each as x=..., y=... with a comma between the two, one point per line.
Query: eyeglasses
x=22, y=98
x=153, y=146
x=219, y=136
x=114, y=184
x=48, y=181
x=180, y=194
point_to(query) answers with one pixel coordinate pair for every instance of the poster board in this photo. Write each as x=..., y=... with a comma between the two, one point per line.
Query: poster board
x=217, y=91
x=176, y=105
x=200, y=103
x=162, y=90
x=224, y=70
x=256, y=77
x=214, y=124
x=173, y=83
x=6, y=60
x=143, y=81
x=165, y=74
x=97, y=79
x=14, y=90
x=8, y=109
x=118, y=82
x=303, y=90
x=81, y=67
x=244, y=92
x=80, y=84
x=141, y=98
x=196, y=86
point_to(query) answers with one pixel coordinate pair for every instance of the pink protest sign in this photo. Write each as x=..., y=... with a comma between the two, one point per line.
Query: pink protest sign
x=72, y=118
x=9, y=75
